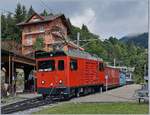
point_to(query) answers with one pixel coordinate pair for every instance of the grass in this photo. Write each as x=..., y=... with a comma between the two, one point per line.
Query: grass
x=96, y=108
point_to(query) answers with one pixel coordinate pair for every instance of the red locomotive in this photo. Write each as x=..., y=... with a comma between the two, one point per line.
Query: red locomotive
x=72, y=73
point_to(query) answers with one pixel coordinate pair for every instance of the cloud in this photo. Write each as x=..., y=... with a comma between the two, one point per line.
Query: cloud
x=85, y=17
x=103, y=17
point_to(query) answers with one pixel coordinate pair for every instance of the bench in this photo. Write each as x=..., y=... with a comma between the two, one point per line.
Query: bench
x=142, y=95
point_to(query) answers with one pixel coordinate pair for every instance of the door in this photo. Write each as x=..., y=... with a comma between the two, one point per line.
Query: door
x=61, y=76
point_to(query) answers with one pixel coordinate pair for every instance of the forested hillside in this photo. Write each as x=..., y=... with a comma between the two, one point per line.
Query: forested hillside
x=139, y=40
x=125, y=54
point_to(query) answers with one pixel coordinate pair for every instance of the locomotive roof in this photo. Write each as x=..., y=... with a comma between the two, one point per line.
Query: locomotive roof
x=72, y=53
x=82, y=54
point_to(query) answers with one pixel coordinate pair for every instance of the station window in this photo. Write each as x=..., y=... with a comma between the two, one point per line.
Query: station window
x=29, y=40
x=61, y=65
x=73, y=64
x=41, y=28
x=101, y=66
x=29, y=29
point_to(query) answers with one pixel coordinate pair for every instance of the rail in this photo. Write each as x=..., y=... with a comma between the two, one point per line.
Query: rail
x=28, y=104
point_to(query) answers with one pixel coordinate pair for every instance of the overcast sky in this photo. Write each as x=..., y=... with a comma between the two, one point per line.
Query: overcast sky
x=103, y=17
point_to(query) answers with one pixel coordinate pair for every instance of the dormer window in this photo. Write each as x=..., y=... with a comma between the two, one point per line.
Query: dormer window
x=35, y=20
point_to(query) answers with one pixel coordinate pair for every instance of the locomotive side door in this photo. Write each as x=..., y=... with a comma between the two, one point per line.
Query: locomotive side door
x=60, y=71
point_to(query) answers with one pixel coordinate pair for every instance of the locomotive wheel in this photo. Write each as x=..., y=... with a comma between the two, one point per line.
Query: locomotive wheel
x=44, y=96
x=66, y=97
x=78, y=94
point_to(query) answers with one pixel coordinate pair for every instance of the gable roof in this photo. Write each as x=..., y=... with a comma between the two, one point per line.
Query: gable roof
x=51, y=17
x=44, y=19
x=32, y=16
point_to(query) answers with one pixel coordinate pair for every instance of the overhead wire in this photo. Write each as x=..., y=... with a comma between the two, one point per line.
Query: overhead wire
x=46, y=6
x=3, y=10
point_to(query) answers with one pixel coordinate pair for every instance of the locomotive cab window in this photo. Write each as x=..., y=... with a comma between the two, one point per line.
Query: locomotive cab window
x=73, y=64
x=101, y=66
x=46, y=65
x=61, y=65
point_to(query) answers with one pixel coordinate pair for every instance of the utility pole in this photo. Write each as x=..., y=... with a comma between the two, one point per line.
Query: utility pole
x=78, y=40
x=114, y=62
x=145, y=70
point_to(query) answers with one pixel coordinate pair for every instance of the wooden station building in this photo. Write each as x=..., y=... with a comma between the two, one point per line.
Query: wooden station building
x=11, y=61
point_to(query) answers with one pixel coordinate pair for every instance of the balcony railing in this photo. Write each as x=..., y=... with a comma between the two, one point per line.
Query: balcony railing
x=34, y=32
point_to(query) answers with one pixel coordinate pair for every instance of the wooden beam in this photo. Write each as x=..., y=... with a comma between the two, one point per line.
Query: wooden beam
x=28, y=63
x=24, y=61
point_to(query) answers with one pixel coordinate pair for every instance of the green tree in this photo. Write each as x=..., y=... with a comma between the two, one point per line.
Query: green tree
x=44, y=13
x=18, y=14
x=18, y=17
x=3, y=26
x=30, y=12
x=24, y=12
x=84, y=28
x=39, y=44
x=10, y=27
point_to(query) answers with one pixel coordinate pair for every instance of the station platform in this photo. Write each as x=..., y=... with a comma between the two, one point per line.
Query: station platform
x=121, y=94
x=18, y=97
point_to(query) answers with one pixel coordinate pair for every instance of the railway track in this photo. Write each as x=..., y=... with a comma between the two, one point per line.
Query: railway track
x=31, y=103
x=28, y=104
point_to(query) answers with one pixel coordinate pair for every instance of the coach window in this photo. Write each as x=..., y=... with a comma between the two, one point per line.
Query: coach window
x=101, y=66
x=73, y=64
x=61, y=65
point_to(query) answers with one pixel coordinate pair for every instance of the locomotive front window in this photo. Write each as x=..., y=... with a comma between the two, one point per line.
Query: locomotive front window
x=73, y=64
x=49, y=65
x=61, y=65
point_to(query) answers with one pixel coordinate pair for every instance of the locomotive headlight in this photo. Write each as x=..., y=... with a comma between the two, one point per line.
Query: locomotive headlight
x=51, y=84
x=43, y=82
x=60, y=81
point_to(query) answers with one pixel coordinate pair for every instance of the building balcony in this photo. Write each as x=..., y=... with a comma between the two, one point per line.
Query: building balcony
x=27, y=45
x=58, y=34
x=34, y=32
